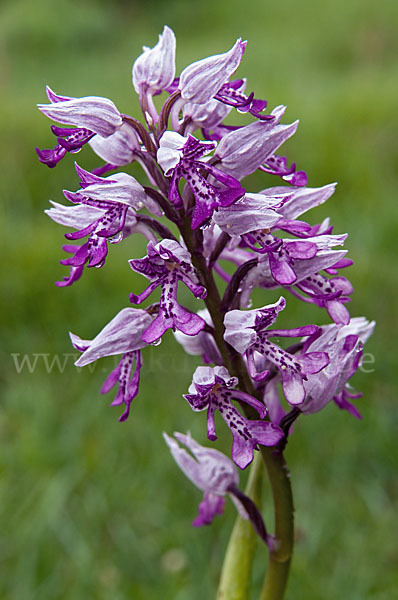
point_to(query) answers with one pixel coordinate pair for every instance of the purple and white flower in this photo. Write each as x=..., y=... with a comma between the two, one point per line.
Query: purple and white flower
x=344, y=346
x=211, y=389
x=284, y=255
x=104, y=210
x=216, y=476
x=122, y=335
x=329, y=293
x=248, y=333
x=208, y=469
x=179, y=158
x=154, y=71
x=83, y=217
x=166, y=264
x=89, y=116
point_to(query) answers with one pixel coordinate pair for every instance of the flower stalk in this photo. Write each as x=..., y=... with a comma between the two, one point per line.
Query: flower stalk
x=280, y=557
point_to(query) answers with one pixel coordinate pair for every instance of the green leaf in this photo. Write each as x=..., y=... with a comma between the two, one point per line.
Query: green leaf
x=235, y=580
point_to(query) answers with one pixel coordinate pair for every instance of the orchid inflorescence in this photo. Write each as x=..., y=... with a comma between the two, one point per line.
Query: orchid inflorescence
x=193, y=166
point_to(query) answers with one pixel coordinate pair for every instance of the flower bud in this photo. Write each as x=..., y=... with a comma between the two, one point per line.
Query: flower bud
x=154, y=70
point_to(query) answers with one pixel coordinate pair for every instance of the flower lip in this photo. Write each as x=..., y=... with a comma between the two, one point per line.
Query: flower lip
x=265, y=318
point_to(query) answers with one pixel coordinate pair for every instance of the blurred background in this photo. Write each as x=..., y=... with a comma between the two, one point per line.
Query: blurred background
x=89, y=507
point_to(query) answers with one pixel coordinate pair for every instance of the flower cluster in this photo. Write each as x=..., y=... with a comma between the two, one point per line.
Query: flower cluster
x=192, y=207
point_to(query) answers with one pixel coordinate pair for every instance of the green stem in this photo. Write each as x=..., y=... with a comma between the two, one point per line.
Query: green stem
x=212, y=300
x=280, y=557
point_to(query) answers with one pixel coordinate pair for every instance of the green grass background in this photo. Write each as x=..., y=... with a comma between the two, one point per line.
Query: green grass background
x=91, y=508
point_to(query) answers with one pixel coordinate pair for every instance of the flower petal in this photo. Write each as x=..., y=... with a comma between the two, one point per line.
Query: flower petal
x=122, y=334
x=154, y=69
x=200, y=81
x=95, y=113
